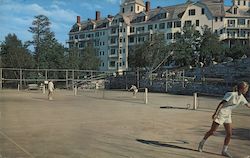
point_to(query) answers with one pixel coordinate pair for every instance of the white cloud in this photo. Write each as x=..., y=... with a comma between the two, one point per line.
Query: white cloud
x=17, y=17
x=112, y=1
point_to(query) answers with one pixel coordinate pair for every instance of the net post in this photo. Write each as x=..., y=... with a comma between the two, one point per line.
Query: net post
x=146, y=95
x=195, y=101
x=18, y=87
x=44, y=89
x=75, y=90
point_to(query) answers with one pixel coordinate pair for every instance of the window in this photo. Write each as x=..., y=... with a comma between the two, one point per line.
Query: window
x=169, y=35
x=113, y=31
x=191, y=12
x=231, y=23
x=138, y=8
x=155, y=26
x=238, y=2
x=112, y=51
x=169, y=25
x=112, y=64
x=132, y=29
x=112, y=41
x=221, y=18
x=162, y=25
x=221, y=31
x=188, y=23
x=241, y=22
x=216, y=19
x=202, y=11
x=197, y=23
x=97, y=34
x=123, y=10
x=177, y=24
x=244, y=3
x=150, y=27
x=132, y=8
x=102, y=64
x=235, y=10
x=131, y=39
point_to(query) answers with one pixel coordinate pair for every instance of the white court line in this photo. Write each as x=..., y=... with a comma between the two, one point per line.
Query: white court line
x=12, y=141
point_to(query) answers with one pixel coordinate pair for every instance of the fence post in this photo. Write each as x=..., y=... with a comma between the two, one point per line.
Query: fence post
x=1, y=78
x=73, y=79
x=146, y=96
x=138, y=78
x=195, y=101
x=66, y=78
x=166, y=80
x=21, y=82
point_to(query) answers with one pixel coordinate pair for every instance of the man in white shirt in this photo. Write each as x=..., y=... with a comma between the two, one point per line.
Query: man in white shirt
x=222, y=115
x=50, y=89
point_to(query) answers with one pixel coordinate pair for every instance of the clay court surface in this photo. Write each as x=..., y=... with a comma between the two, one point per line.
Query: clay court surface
x=88, y=126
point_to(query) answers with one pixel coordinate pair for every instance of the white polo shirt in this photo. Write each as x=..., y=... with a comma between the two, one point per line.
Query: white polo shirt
x=233, y=100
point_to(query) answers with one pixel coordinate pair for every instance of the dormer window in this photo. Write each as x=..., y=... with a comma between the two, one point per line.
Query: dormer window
x=202, y=11
x=191, y=12
x=235, y=10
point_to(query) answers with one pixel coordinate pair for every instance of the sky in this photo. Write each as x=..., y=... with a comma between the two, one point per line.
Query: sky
x=16, y=16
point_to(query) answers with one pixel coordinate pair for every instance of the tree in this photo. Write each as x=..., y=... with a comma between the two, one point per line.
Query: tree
x=88, y=58
x=14, y=54
x=149, y=54
x=52, y=56
x=186, y=47
x=211, y=48
x=48, y=52
x=237, y=50
x=41, y=27
x=73, y=58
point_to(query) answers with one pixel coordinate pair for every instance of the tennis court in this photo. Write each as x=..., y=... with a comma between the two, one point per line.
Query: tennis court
x=89, y=126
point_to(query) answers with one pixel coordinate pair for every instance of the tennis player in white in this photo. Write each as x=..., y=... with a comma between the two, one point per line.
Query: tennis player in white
x=222, y=115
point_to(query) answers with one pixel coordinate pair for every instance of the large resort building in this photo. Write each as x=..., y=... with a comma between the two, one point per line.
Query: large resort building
x=114, y=36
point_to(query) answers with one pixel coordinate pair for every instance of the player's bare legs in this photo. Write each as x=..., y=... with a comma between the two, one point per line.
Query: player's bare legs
x=228, y=129
x=213, y=128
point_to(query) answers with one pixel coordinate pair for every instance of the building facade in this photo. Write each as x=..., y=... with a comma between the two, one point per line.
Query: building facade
x=114, y=36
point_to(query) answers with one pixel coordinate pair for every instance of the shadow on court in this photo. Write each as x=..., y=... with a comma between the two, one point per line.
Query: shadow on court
x=238, y=133
x=171, y=145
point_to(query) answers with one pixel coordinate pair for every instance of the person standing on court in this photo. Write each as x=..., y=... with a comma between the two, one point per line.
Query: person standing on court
x=134, y=89
x=50, y=89
x=222, y=115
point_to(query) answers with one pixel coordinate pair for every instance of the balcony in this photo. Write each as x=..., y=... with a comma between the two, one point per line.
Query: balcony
x=113, y=55
x=234, y=36
x=235, y=26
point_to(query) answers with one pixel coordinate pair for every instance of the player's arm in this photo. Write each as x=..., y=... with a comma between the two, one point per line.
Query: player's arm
x=218, y=109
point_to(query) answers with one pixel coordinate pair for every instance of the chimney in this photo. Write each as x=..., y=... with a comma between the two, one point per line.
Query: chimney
x=110, y=16
x=147, y=6
x=78, y=19
x=97, y=15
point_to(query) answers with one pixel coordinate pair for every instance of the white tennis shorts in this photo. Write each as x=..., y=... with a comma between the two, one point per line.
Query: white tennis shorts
x=224, y=116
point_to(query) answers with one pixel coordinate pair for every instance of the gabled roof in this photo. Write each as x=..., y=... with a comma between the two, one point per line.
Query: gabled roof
x=134, y=1
x=216, y=7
